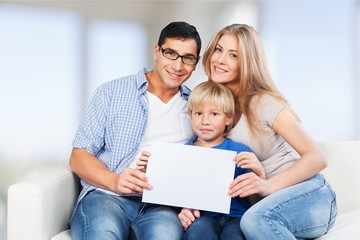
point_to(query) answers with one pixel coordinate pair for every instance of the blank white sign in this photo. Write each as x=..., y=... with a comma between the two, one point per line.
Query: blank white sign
x=190, y=176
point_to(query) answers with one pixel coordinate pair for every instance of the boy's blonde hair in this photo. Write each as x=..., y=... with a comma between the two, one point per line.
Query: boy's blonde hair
x=214, y=94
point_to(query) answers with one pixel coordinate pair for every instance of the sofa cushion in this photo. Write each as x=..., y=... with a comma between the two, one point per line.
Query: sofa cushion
x=65, y=235
x=346, y=227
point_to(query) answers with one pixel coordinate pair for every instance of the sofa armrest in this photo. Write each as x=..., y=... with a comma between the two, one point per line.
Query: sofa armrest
x=40, y=208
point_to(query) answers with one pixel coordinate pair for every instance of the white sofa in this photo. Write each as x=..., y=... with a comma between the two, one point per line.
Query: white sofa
x=39, y=208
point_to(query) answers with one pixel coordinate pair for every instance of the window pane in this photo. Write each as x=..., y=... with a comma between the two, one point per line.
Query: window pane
x=115, y=49
x=39, y=76
x=314, y=60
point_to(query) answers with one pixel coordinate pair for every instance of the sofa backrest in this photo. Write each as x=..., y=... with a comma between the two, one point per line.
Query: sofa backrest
x=343, y=172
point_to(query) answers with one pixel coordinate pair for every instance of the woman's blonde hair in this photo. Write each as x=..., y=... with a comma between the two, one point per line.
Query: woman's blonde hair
x=213, y=94
x=254, y=78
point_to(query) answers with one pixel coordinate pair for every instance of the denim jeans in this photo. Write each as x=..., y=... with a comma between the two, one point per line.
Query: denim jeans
x=214, y=228
x=305, y=210
x=103, y=216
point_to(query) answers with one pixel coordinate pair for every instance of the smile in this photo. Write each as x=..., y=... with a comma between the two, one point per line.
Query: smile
x=219, y=70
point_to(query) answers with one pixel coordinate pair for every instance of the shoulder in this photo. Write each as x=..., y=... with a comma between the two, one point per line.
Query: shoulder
x=267, y=107
x=237, y=146
x=125, y=84
x=191, y=142
x=185, y=91
x=267, y=100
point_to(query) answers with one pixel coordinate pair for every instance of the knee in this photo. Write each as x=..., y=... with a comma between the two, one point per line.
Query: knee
x=201, y=223
x=92, y=219
x=202, y=228
x=252, y=220
x=248, y=221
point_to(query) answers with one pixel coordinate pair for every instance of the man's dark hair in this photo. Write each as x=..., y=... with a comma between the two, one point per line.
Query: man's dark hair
x=180, y=30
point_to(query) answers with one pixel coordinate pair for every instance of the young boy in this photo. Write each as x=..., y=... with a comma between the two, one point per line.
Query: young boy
x=211, y=109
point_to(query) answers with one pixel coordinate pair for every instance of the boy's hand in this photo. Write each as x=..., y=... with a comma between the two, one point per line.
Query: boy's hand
x=187, y=216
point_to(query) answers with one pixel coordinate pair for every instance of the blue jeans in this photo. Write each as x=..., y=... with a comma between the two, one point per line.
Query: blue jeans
x=214, y=228
x=103, y=216
x=305, y=210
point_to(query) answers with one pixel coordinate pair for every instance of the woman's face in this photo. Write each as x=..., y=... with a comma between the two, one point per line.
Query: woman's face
x=224, y=62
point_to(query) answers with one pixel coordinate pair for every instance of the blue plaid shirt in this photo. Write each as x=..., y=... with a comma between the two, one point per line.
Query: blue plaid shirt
x=115, y=121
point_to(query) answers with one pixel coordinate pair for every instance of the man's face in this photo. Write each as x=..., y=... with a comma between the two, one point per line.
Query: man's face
x=173, y=73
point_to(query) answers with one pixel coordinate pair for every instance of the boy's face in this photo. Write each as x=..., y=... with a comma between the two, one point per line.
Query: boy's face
x=208, y=123
x=173, y=73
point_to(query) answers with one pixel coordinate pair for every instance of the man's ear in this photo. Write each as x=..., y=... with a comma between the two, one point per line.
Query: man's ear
x=197, y=62
x=156, y=52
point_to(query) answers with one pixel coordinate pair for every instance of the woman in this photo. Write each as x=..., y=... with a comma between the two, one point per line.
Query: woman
x=297, y=201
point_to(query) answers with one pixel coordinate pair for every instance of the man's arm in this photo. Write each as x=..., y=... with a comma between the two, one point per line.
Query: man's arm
x=94, y=172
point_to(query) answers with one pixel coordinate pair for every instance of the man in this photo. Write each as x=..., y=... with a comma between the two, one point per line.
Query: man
x=123, y=118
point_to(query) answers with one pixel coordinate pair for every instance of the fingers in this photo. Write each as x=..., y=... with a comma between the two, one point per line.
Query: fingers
x=146, y=153
x=143, y=161
x=132, y=181
x=250, y=161
x=187, y=216
x=245, y=158
x=141, y=165
x=248, y=184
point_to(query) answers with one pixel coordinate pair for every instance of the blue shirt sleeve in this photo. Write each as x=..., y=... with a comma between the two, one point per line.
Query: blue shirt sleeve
x=91, y=132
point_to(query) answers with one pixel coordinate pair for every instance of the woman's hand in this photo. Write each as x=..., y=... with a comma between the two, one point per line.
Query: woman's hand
x=143, y=161
x=187, y=216
x=250, y=161
x=248, y=184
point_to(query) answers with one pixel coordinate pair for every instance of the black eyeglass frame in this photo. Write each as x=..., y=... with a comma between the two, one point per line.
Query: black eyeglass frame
x=176, y=56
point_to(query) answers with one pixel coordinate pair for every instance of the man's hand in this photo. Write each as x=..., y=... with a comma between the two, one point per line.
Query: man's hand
x=143, y=161
x=130, y=181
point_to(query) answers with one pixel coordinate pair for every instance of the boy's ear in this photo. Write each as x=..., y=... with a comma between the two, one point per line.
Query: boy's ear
x=228, y=121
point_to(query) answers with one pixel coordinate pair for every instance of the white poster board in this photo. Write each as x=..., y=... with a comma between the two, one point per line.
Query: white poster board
x=190, y=176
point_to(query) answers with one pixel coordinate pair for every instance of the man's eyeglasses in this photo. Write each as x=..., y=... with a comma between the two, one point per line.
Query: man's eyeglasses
x=173, y=55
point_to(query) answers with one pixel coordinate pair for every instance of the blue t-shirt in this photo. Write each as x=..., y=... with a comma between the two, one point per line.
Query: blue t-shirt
x=238, y=205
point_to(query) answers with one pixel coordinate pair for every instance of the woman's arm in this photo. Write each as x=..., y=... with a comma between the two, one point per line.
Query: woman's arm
x=311, y=159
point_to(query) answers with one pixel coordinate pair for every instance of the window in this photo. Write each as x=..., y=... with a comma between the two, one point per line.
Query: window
x=310, y=46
